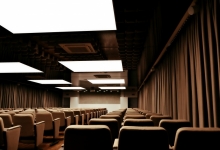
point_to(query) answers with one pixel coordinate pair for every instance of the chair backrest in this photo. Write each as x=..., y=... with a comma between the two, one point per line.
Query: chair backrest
x=138, y=122
x=61, y=115
x=27, y=123
x=171, y=126
x=117, y=117
x=197, y=138
x=156, y=119
x=87, y=137
x=152, y=138
x=1, y=131
x=111, y=123
x=134, y=117
x=71, y=114
x=47, y=117
x=7, y=120
x=148, y=115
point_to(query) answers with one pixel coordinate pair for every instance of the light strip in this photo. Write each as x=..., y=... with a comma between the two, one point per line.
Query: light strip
x=16, y=67
x=107, y=81
x=39, y=16
x=112, y=88
x=94, y=66
x=50, y=81
x=71, y=88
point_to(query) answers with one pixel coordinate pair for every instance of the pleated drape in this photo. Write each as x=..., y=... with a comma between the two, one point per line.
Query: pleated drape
x=186, y=82
x=23, y=96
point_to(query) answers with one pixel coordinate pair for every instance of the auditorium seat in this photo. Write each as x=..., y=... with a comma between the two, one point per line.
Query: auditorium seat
x=156, y=119
x=87, y=137
x=111, y=123
x=30, y=130
x=7, y=119
x=134, y=117
x=64, y=120
x=117, y=117
x=148, y=115
x=171, y=126
x=81, y=116
x=74, y=118
x=140, y=138
x=138, y=122
x=190, y=138
x=52, y=126
x=9, y=138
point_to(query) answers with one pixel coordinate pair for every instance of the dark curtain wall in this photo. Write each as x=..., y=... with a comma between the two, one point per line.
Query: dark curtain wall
x=186, y=82
x=24, y=96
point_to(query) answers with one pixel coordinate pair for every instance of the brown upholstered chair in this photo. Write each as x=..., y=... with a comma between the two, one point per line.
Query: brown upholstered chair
x=138, y=122
x=155, y=138
x=189, y=138
x=9, y=137
x=7, y=119
x=148, y=115
x=134, y=117
x=87, y=137
x=171, y=126
x=74, y=118
x=81, y=116
x=111, y=123
x=30, y=130
x=64, y=121
x=156, y=119
x=52, y=126
x=117, y=117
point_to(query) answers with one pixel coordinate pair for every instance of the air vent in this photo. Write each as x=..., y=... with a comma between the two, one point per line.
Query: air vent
x=78, y=48
x=102, y=76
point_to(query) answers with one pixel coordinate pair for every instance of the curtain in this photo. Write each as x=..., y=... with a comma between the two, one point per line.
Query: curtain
x=186, y=82
x=24, y=96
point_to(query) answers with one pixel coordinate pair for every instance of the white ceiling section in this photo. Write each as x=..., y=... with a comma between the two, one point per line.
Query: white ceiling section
x=52, y=81
x=16, y=67
x=56, y=15
x=94, y=66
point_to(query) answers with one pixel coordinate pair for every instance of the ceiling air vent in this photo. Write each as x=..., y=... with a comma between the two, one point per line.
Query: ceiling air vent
x=102, y=76
x=78, y=48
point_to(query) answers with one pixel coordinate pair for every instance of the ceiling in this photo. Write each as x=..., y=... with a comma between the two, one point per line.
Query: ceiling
x=133, y=20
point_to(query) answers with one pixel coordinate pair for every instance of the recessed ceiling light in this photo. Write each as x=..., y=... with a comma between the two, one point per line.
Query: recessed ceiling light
x=112, y=88
x=16, y=67
x=107, y=81
x=50, y=15
x=71, y=88
x=94, y=66
x=50, y=81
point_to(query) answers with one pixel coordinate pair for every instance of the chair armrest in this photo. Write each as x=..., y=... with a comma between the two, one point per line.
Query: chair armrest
x=68, y=121
x=11, y=136
x=39, y=132
x=115, y=145
x=77, y=119
x=171, y=147
x=87, y=118
x=91, y=114
x=56, y=127
x=83, y=119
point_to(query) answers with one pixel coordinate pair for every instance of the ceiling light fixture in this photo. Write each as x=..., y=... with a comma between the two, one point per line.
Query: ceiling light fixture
x=107, y=81
x=94, y=66
x=71, y=88
x=16, y=67
x=50, y=81
x=112, y=88
x=46, y=20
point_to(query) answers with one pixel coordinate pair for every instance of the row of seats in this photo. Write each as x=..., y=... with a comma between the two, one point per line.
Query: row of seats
x=136, y=134
x=98, y=137
x=34, y=124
